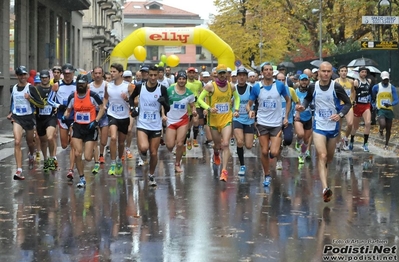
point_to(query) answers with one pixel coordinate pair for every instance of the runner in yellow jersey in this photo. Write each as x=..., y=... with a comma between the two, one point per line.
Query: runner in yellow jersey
x=195, y=86
x=220, y=115
x=347, y=84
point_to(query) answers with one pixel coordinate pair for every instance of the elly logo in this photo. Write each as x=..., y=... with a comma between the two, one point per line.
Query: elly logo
x=170, y=36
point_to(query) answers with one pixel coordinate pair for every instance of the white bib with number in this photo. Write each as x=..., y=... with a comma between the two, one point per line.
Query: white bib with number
x=83, y=117
x=46, y=111
x=222, y=108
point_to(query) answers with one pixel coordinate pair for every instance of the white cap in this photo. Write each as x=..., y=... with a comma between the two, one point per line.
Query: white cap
x=205, y=74
x=234, y=73
x=228, y=69
x=251, y=74
x=275, y=72
x=127, y=73
x=384, y=75
x=196, y=70
x=314, y=70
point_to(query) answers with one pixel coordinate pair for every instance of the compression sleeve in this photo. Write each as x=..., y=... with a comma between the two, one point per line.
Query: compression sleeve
x=201, y=101
x=236, y=100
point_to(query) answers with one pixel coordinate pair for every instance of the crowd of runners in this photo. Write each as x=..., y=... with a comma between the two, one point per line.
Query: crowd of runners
x=101, y=112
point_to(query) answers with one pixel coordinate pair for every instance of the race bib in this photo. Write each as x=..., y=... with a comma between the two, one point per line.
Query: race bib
x=363, y=99
x=150, y=116
x=222, y=108
x=243, y=109
x=270, y=104
x=83, y=117
x=117, y=108
x=46, y=111
x=65, y=102
x=21, y=109
x=385, y=101
x=348, y=92
x=179, y=106
x=325, y=113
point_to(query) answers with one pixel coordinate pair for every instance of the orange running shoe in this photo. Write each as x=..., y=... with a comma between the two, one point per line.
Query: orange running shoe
x=189, y=145
x=224, y=175
x=195, y=143
x=216, y=159
x=102, y=160
x=123, y=158
x=129, y=154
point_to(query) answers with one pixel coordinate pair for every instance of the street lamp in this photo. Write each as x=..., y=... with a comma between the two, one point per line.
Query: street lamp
x=319, y=11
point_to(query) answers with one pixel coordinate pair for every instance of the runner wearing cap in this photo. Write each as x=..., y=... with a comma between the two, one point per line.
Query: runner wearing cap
x=116, y=96
x=152, y=96
x=98, y=86
x=220, y=115
x=84, y=104
x=234, y=77
x=315, y=75
x=24, y=97
x=180, y=98
x=243, y=125
x=195, y=86
x=58, y=98
x=252, y=78
x=268, y=94
x=46, y=122
x=56, y=75
x=385, y=97
x=128, y=77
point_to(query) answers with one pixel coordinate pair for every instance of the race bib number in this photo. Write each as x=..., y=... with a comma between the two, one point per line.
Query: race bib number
x=325, y=113
x=117, y=108
x=21, y=109
x=385, y=101
x=222, y=108
x=150, y=116
x=348, y=92
x=363, y=99
x=269, y=104
x=243, y=109
x=46, y=111
x=83, y=117
x=65, y=102
x=179, y=106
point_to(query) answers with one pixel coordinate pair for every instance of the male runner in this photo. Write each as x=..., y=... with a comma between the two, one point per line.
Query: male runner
x=195, y=86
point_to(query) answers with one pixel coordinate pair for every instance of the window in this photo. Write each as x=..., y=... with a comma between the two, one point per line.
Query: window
x=198, y=50
x=152, y=53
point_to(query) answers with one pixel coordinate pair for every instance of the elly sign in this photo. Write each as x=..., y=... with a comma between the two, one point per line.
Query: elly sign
x=169, y=36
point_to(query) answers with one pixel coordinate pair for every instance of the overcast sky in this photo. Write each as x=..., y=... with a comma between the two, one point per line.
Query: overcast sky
x=201, y=7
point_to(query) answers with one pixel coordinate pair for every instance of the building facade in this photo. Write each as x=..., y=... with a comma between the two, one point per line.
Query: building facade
x=156, y=14
x=38, y=34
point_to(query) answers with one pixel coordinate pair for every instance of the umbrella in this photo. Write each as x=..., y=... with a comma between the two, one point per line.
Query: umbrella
x=372, y=69
x=316, y=63
x=353, y=74
x=362, y=62
x=288, y=64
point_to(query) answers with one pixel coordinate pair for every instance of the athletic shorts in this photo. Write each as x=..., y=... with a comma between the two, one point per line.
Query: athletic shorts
x=327, y=134
x=43, y=123
x=359, y=109
x=288, y=134
x=83, y=132
x=385, y=113
x=65, y=125
x=307, y=125
x=26, y=122
x=248, y=129
x=122, y=124
x=220, y=128
x=268, y=130
x=200, y=112
x=151, y=133
x=103, y=121
x=175, y=126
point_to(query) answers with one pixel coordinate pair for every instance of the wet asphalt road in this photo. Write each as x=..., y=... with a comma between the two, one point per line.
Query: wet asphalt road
x=193, y=216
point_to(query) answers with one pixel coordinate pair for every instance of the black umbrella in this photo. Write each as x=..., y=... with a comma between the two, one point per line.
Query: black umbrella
x=288, y=64
x=362, y=62
x=316, y=63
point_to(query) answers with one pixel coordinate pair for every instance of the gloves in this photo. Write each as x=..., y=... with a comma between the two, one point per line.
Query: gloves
x=162, y=100
x=63, y=119
x=62, y=108
x=387, y=104
x=93, y=125
x=134, y=112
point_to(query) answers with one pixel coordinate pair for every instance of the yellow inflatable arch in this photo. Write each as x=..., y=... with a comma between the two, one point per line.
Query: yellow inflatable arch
x=173, y=37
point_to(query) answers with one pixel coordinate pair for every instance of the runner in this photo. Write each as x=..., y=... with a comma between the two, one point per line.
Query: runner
x=361, y=95
x=170, y=77
x=195, y=86
x=84, y=104
x=177, y=118
x=23, y=99
x=128, y=77
x=98, y=86
x=162, y=78
x=243, y=125
x=326, y=120
x=58, y=98
x=220, y=115
x=107, y=77
x=56, y=75
x=347, y=84
x=46, y=122
x=152, y=95
x=116, y=96
x=385, y=97
x=268, y=94
x=303, y=120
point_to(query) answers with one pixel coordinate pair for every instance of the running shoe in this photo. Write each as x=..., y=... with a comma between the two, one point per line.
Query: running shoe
x=102, y=160
x=345, y=144
x=307, y=153
x=82, y=182
x=108, y=150
x=55, y=163
x=151, y=180
x=111, y=170
x=70, y=174
x=232, y=142
x=386, y=148
x=327, y=194
x=301, y=159
x=297, y=146
x=129, y=154
x=31, y=161
x=224, y=175
x=195, y=143
x=279, y=165
x=140, y=162
x=123, y=158
x=37, y=156
x=189, y=145
x=18, y=176
x=267, y=181
x=216, y=159
x=52, y=164
x=366, y=147
x=242, y=171
x=45, y=165
x=119, y=168
x=350, y=146
x=96, y=168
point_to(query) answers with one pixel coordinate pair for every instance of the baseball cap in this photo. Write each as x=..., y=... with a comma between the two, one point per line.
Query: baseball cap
x=144, y=68
x=44, y=73
x=275, y=72
x=221, y=68
x=68, y=68
x=181, y=73
x=205, y=74
x=384, y=75
x=314, y=70
x=229, y=69
x=234, y=73
x=303, y=76
x=281, y=67
x=82, y=79
x=191, y=69
x=127, y=73
x=21, y=70
x=241, y=70
x=37, y=79
x=251, y=73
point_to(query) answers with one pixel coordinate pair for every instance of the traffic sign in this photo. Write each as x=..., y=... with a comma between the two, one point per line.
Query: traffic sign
x=380, y=20
x=388, y=45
